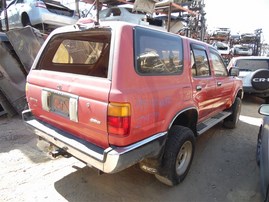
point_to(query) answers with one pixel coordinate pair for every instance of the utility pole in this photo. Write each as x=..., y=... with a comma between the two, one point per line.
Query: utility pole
x=4, y=5
x=77, y=7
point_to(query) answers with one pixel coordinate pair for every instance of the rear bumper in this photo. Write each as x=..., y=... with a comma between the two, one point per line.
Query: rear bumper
x=259, y=93
x=109, y=160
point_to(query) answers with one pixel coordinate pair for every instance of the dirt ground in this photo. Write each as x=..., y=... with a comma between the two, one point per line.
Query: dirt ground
x=223, y=169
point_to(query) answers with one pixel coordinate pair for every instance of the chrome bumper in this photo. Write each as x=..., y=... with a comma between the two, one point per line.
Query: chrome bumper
x=109, y=160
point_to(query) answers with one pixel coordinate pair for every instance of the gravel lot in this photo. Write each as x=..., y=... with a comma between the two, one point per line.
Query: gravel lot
x=224, y=169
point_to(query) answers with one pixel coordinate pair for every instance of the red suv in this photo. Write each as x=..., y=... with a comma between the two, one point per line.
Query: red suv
x=117, y=94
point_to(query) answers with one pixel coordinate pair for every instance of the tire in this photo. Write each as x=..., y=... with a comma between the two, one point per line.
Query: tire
x=6, y=105
x=177, y=157
x=25, y=20
x=232, y=120
x=260, y=79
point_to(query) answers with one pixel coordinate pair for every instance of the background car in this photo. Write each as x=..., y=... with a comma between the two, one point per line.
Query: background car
x=42, y=14
x=122, y=14
x=222, y=31
x=242, y=50
x=248, y=37
x=254, y=71
x=222, y=48
x=262, y=152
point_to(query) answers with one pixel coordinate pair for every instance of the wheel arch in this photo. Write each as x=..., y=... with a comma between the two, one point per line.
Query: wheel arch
x=239, y=93
x=187, y=117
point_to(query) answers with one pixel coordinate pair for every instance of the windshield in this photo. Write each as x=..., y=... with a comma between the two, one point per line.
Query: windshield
x=252, y=65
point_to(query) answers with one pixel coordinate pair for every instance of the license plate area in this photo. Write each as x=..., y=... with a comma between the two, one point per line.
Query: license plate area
x=63, y=104
x=59, y=104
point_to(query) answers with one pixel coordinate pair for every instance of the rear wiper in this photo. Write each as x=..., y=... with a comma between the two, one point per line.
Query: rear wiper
x=246, y=70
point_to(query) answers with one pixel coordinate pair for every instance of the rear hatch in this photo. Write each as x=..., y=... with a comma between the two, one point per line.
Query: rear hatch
x=58, y=8
x=68, y=86
x=248, y=66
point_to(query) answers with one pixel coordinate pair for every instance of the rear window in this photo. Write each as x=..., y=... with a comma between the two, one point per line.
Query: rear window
x=157, y=53
x=252, y=64
x=85, y=53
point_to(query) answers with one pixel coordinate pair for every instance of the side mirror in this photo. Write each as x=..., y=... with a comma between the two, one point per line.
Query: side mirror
x=234, y=72
x=264, y=109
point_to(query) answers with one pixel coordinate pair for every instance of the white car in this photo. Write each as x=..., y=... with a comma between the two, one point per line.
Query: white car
x=122, y=14
x=242, y=50
x=222, y=48
x=41, y=14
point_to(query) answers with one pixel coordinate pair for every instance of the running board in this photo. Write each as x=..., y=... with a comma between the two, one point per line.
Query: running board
x=209, y=123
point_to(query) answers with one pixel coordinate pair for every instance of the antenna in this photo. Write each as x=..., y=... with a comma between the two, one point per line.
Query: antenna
x=97, y=12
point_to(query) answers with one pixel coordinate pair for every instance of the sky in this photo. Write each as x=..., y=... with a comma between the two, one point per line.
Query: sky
x=240, y=16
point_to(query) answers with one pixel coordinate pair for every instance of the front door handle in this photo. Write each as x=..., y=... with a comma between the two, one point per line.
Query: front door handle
x=219, y=83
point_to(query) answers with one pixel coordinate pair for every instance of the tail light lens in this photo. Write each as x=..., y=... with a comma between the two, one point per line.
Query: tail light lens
x=40, y=4
x=119, y=119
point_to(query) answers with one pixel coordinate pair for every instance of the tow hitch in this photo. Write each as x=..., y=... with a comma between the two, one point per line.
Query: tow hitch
x=60, y=152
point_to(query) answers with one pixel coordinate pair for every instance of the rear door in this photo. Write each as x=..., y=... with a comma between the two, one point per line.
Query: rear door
x=69, y=85
x=224, y=83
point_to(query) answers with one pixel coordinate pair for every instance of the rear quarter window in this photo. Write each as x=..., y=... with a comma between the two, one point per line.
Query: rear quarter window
x=78, y=53
x=157, y=53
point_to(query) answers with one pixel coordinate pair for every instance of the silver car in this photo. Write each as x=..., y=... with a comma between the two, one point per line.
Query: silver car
x=42, y=14
x=262, y=151
x=242, y=50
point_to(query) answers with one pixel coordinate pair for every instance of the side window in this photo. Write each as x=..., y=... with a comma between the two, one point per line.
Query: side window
x=199, y=63
x=157, y=53
x=218, y=65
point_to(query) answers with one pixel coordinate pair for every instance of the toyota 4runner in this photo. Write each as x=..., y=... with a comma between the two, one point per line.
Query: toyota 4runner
x=116, y=94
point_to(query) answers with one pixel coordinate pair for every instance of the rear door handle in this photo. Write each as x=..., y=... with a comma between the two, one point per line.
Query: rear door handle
x=198, y=88
x=219, y=83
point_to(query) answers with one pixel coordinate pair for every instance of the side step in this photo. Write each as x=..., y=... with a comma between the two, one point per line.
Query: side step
x=209, y=123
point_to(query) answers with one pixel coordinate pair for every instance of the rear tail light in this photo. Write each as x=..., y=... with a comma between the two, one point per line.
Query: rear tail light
x=119, y=119
x=40, y=4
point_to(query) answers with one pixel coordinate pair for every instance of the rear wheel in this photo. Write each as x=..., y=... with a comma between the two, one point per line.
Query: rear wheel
x=178, y=155
x=232, y=120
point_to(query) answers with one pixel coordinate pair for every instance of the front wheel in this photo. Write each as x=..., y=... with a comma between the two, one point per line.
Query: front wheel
x=232, y=120
x=178, y=155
